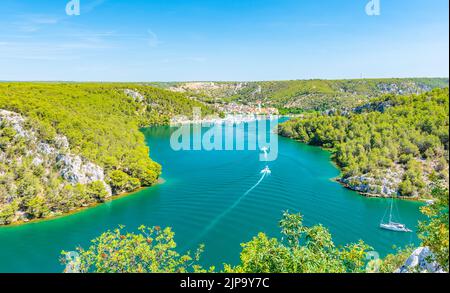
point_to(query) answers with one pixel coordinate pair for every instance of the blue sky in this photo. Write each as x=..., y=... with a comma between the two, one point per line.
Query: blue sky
x=181, y=40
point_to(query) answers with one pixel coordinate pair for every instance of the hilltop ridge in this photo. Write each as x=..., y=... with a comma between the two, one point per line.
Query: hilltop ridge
x=304, y=95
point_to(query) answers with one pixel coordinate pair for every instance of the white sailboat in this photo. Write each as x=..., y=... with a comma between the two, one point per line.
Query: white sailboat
x=391, y=225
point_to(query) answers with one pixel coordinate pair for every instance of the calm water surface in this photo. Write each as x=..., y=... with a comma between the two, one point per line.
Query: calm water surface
x=199, y=187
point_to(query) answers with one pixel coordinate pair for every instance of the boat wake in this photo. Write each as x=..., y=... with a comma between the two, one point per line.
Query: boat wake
x=265, y=172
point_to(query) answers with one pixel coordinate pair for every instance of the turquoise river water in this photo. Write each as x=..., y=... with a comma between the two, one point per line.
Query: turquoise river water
x=203, y=199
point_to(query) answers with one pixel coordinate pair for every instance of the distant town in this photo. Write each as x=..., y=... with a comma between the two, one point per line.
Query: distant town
x=234, y=108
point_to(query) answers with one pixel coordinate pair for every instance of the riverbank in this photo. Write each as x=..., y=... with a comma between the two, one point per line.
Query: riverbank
x=339, y=180
x=82, y=209
x=371, y=195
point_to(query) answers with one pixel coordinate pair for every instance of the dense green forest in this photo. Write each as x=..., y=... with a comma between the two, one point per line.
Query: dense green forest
x=299, y=95
x=101, y=124
x=300, y=249
x=396, y=145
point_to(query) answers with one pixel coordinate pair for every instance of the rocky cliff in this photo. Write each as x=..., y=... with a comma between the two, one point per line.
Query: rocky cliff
x=32, y=168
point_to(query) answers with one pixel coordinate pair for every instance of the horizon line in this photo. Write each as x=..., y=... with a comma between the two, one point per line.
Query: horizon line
x=224, y=81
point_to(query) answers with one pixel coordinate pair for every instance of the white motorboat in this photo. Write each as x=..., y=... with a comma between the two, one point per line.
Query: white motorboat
x=266, y=171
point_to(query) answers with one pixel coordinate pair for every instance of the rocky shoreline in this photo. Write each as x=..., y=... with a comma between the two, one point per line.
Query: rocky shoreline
x=374, y=195
x=81, y=209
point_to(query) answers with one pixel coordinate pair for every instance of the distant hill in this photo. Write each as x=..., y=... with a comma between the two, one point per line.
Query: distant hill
x=303, y=95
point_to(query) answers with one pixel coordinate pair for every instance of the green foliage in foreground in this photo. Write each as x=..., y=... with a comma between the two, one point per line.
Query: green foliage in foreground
x=301, y=249
x=434, y=231
x=305, y=250
x=409, y=136
x=152, y=250
x=392, y=262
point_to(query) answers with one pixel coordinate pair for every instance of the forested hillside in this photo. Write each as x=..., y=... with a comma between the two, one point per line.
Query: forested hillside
x=302, y=95
x=64, y=146
x=396, y=145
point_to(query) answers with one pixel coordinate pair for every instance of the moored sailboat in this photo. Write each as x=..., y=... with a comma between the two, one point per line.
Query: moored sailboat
x=391, y=225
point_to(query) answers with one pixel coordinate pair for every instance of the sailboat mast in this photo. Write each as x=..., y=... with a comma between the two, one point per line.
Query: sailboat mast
x=390, y=214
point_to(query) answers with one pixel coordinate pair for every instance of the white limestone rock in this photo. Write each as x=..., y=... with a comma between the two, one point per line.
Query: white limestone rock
x=77, y=170
x=73, y=168
x=46, y=149
x=385, y=187
x=135, y=95
x=15, y=120
x=421, y=261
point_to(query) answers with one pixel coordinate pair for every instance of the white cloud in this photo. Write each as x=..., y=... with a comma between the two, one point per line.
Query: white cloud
x=31, y=23
x=90, y=6
x=66, y=49
x=153, y=40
